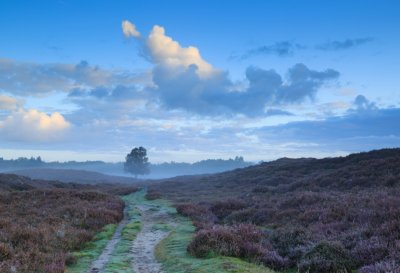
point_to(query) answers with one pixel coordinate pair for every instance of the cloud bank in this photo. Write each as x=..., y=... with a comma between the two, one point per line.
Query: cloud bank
x=33, y=125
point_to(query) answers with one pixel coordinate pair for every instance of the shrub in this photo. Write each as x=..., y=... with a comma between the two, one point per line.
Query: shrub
x=200, y=215
x=70, y=259
x=241, y=216
x=152, y=194
x=382, y=267
x=5, y=252
x=273, y=260
x=326, y=257
x=243, y=241
x=224, y=240
x=257, y=253
x=121, y=189
x=252, y=252
x=263, y=216
x=39, y=227
x=285, y=240
x=223, y=208
x=190, y=210
x=217, y=240
x=369, y=251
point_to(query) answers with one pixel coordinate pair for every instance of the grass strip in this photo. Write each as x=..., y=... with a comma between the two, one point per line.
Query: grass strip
x=92, y=250
x=121, y=259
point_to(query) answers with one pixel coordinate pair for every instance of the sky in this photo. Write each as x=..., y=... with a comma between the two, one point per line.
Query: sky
x=192, y=80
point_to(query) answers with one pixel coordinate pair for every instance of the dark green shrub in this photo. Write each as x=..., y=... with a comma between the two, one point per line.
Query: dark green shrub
x=326, y=257
x=5, y=251
x=285, y=240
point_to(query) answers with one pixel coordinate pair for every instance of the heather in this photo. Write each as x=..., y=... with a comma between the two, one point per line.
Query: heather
x=42, y=223
x=328, y=215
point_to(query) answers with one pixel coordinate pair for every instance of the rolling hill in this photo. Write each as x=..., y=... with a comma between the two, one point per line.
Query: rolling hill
x=75, y=176
x=316, y=215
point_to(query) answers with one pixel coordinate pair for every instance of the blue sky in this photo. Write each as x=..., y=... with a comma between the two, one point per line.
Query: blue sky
x=204, y=79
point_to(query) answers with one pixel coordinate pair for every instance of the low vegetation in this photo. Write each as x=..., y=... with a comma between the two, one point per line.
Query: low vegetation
x=328, y=215
x=42, y=223
x=173, y=255
x=81, y=259
x=305, y=215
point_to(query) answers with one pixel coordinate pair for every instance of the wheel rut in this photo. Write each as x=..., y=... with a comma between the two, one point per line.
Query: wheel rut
x=143, y=247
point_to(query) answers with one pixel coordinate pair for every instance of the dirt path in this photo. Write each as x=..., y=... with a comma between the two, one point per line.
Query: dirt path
x=155, y=221
x=98, y=265
x=144, y=260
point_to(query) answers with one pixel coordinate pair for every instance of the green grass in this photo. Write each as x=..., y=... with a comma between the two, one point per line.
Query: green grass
x=121, y=260
x=92, y=250
x=161, y=226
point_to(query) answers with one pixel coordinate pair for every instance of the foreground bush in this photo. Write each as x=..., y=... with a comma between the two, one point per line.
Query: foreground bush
x=39, y=228
x=243, y=241
x=382, y=267
x=290, y=241
x=326, y=257
x=217, y=240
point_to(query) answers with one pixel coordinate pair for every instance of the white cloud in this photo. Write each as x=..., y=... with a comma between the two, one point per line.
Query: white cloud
x=33, y=125
x=8, y=103
x=129, y=29
x=165, y=51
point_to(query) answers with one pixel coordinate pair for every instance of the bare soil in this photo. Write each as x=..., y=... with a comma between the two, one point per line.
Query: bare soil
x=144, y=260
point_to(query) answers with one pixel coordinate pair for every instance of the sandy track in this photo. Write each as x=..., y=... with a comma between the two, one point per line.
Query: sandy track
x=144, y=260
x=98, y=265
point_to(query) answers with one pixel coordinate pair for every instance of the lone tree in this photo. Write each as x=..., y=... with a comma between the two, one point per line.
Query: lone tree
x=136, y=162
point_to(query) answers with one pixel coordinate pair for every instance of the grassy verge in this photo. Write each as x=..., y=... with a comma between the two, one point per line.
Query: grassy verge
x=92, y=250
x=121, y=260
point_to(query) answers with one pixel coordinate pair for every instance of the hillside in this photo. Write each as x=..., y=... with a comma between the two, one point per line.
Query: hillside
x=378, y=168
x=76, y=176
x=14, y=183
x=323, y=215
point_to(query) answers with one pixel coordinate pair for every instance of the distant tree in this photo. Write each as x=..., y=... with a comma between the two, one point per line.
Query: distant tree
x=136, y=162
x=239, y=158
